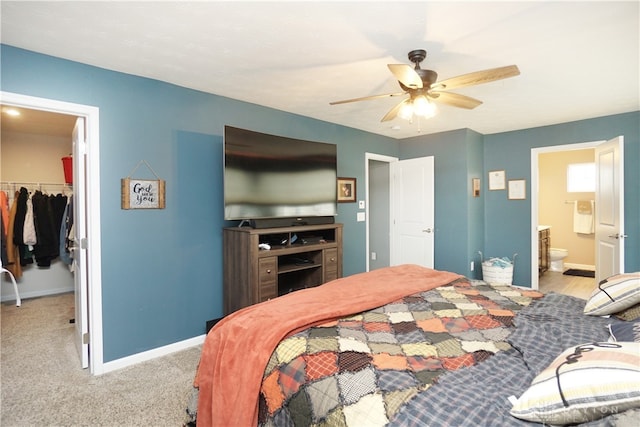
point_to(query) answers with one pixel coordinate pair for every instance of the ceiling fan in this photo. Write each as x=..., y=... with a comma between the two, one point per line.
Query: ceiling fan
x=424, y=89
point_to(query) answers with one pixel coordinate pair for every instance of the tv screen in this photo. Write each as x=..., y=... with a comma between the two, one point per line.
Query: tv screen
x=268, y=176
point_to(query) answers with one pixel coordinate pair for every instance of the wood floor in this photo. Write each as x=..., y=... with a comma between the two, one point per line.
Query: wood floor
x=576, y=286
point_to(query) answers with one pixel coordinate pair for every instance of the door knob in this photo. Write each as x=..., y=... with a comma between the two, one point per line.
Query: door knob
x=427, y=230
x=617, y=236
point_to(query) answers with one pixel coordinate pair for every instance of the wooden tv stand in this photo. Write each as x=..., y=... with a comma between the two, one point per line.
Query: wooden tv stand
x=299, y=257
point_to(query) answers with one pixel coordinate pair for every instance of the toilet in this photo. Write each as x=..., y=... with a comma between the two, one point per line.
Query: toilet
x=557, y=256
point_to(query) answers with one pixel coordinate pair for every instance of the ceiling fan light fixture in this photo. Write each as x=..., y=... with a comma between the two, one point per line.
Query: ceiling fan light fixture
x=431, y=110
x=406, y=111
x=419, y=106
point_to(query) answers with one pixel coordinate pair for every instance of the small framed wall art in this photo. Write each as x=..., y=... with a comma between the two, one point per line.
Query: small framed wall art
x=497, y=180
x=517, y=189
x=476, y=186
x=346, y=190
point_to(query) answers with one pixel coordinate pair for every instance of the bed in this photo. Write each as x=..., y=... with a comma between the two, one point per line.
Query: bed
x=411, y=346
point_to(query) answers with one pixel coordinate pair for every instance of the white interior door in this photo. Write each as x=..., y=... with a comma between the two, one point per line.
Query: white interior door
x=609, y=209
x=79, y=250
x=412, y=192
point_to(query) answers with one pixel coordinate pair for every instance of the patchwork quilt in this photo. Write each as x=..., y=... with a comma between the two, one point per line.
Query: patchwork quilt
x=363, y=369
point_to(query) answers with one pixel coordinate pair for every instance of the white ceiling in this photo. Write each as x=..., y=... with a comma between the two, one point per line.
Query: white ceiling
x=577, y=60
x=37, y=122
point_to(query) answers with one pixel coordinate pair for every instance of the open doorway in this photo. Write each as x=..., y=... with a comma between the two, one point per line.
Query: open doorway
x=400, y=210
x=378, y=210
x=34, y=142
x=88, y=213
x=602, y=205
x=566, y=226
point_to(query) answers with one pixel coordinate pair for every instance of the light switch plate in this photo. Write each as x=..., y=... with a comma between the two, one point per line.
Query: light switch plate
x=360, y=217
x=361, y=204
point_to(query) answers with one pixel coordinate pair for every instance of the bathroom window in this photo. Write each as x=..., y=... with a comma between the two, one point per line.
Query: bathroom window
x=581, y=177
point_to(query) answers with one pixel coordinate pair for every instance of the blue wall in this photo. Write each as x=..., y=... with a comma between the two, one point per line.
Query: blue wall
x=162, y=269
x=492, y=223
x=475, y=205
x=459, y=217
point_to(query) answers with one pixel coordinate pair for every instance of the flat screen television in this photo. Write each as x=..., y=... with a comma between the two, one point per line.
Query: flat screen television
x=275, y=177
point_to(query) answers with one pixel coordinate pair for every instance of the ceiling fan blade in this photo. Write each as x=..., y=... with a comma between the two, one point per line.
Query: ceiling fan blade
x=366, y=98
x=478, y=77
x=406, y=75
x=455, y=99
x=394, y=111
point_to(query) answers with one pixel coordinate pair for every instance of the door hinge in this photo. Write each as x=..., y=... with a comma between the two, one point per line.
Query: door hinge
x=85, y=338
x=83, y=243
x=82, y=147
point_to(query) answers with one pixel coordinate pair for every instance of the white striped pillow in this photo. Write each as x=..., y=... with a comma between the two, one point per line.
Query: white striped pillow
x=614, y=294
x=584, y=383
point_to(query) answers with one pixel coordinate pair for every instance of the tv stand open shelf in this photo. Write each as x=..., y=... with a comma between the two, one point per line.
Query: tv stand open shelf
x=299, y=257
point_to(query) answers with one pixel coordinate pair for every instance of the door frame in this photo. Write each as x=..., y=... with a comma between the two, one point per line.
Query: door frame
x=381, y=158
x=92, y=208
x=535, y=152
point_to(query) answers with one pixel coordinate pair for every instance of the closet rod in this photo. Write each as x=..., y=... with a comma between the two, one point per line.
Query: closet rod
x=31, y=186
x=48, y=184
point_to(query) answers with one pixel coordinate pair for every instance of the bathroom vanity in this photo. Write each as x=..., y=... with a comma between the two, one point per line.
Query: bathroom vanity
x=544, y=244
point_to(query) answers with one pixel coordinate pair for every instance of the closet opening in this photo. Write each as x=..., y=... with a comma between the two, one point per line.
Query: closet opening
x=32, y=151
x=35, y=195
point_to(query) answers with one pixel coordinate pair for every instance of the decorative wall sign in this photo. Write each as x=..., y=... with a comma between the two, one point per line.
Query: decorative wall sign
x=346, y=190
x=143, y=193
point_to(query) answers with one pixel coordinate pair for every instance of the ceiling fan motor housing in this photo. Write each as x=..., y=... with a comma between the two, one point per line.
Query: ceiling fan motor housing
x=428, y=78
x=417, y=56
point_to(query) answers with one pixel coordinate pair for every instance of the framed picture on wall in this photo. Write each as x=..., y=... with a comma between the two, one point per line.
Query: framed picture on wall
x=517, y=189
x=475, y=182
x=497, y=180
x=346, y=190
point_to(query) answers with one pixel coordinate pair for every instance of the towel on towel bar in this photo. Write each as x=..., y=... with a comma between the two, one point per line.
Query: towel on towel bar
x=584, y=207
x=583, y=221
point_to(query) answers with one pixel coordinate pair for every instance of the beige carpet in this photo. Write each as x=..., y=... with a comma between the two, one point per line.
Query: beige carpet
x=43, y=385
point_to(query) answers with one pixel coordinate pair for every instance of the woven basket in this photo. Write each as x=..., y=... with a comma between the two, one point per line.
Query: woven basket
x=493, y=274
x=496, y=274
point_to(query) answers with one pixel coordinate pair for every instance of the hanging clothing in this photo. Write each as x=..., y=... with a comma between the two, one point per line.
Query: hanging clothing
x=29, y=237
x=65, y=229
x=3, y=249
x=21, y=212
x=36, y=227
x=4, y=206
x=26, y=257
x=47, y=212
x=13, y=252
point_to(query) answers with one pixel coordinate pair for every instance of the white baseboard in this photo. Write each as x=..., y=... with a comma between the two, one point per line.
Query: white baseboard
x=580, y=266
x=134, y=359
x=35, y=294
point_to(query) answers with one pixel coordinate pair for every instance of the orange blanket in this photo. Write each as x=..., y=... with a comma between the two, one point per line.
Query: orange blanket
x=236, y=351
